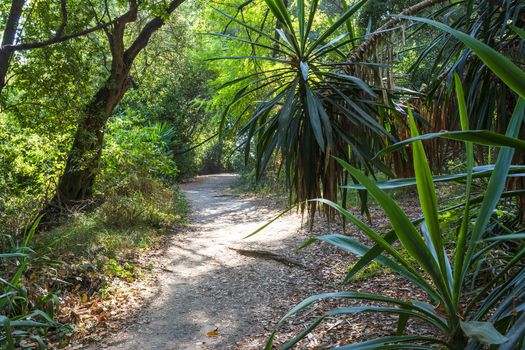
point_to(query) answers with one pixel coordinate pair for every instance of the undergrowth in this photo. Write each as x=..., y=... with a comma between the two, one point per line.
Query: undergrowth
x=134, y=217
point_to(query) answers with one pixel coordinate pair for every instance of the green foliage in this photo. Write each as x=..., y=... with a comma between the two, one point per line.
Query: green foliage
x=135, y=147
x=126, y=271
x=376, y=12
x=25, y=319
x=172, y=89
x=276, y=73
x=28, y=162
x=423, y=243
x=492, y=311
x=300, y=104
x=442, y=53
x=134, y=216
x=372, y=269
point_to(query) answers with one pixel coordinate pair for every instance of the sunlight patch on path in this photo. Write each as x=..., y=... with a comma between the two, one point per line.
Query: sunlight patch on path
x=212, y=287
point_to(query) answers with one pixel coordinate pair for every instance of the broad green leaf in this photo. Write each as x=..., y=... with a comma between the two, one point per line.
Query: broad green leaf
x=358, y=82
x=304, y=70
x=483, y=332
x=311, y=16
x=494, y=189
x=477, y=172
x=473, y=304
x=248, y=76
x=12, y=255
x=412, y=274
x=354, y=310
x=300, y=19
x=511, y=237
x=28, y=323
x=394, y=342
x=515, y=334
x=285, y=114
x=350, y=245
x=349, y=26
x=481, y=137
x=518, y=31
x=283, y=36
x=461, y=240
x=314, y=117
x=264, y=58
x=252, y=28
x=496, y=186
x=427, y=197
x=255, y=43
x=329, y=44
x=279, y=10
x=504, y=68
x=409, y=237
x=327, y=124
x=277, y=217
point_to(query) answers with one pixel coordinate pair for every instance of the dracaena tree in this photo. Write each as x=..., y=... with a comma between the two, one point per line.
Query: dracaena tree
x=300, y=104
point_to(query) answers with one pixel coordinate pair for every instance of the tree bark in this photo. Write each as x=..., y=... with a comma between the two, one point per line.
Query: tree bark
x=76, y=182
x=9, y=39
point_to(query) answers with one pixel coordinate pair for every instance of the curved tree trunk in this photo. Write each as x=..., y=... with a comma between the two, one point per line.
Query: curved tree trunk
x=76, y=182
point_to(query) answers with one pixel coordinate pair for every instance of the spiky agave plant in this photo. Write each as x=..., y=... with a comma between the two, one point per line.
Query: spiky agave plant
x=493, y=313
x=311, y=109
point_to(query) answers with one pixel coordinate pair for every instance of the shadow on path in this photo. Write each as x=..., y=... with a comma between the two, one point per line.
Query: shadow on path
x=208, y=286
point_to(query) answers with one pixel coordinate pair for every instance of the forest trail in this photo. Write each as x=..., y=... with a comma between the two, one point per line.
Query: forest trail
x=211, y=282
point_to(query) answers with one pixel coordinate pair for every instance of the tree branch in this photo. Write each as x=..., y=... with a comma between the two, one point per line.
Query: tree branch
x=125, y=18
x=8, y=38
x=56, y=40
x=151, y=27
x=358, y=54
x=196, y=146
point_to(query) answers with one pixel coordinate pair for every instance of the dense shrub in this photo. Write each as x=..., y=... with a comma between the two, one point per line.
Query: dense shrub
x=29, y=162
x=136, y=148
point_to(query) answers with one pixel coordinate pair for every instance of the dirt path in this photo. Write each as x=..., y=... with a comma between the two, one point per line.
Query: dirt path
x=207, y=286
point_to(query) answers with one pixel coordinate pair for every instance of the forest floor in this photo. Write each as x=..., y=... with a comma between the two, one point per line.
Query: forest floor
x=213, y=289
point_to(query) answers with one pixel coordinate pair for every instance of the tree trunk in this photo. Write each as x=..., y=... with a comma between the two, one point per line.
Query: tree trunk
x=76, y=182
x=9, y=39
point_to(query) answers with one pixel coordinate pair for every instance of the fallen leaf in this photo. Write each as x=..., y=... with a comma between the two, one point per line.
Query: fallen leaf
x=214, y=333
x=84, y=298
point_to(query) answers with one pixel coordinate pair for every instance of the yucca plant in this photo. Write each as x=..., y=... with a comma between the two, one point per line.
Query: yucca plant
x=311, y=109
x=493, y=312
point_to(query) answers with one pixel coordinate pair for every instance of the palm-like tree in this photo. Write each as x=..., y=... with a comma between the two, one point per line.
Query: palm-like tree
x=311, y=109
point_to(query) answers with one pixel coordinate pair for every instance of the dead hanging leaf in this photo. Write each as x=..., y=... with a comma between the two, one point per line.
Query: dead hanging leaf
x=84, y=298
x=214, y=333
